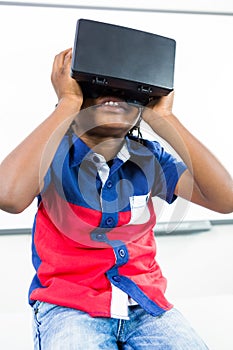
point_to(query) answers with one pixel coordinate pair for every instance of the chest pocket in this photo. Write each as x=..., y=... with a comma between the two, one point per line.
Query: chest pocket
x=139, y=209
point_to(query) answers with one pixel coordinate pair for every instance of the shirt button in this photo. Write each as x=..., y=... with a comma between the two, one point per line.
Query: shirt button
x=121, y=253
x=96, y=159
x=116, y=278
x=100, y=237
x=109, y=221
x=109, y=184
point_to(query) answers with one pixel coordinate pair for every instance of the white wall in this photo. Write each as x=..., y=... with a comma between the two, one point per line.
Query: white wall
x=31, y=36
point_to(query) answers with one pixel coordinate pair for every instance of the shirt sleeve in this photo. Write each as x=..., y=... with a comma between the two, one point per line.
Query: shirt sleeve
x=57, y=163
x=47, y=180
x=167, y=173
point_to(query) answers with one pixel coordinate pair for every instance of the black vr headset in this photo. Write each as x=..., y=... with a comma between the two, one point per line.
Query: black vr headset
x=118, y=61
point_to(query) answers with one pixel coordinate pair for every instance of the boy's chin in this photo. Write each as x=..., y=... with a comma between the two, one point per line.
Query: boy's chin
x=111, y=129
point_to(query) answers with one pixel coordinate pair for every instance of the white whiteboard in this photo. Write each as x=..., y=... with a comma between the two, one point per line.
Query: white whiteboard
x=31, y=36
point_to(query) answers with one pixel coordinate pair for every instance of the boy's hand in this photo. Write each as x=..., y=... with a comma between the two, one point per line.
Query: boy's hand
x=63, y=84
x=159, y=108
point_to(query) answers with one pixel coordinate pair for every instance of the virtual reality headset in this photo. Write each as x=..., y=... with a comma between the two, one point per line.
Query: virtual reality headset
x=119, y=61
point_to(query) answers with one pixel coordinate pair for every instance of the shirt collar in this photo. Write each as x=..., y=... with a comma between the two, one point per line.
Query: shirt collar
x=81, y=151
x=78, y=151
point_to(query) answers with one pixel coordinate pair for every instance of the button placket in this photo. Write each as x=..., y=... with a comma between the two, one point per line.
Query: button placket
x=116, y=278
x=109, y=184
x=109, y=203
x=121, y=253
x=99, y=236
x=109, y=221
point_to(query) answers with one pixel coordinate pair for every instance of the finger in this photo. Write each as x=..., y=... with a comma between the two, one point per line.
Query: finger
x=153, y=101
x=58, y=63
x=68, y=55
x=59, y=58
x=67, y=60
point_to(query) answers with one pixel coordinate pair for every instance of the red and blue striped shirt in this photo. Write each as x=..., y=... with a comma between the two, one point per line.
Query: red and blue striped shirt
x=93, y=242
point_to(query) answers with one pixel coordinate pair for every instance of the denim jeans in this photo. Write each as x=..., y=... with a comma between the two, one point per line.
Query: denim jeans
x=60, y=328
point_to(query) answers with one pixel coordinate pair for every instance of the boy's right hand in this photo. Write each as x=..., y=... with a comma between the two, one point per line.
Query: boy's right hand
x=63, y=84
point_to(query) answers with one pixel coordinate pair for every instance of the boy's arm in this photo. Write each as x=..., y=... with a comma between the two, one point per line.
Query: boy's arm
x=23, y=170
x=206, y=182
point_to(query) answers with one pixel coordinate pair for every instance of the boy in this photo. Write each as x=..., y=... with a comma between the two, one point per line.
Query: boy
x=97, y=283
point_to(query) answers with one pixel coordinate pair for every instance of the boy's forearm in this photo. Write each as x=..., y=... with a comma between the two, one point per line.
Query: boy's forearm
x=23, y=170
x=210, y=176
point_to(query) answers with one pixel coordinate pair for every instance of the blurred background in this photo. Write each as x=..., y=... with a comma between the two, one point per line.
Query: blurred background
x=197, y=257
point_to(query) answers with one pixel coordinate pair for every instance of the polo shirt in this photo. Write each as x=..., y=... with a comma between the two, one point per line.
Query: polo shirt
x=93, y=243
